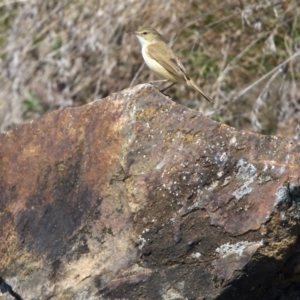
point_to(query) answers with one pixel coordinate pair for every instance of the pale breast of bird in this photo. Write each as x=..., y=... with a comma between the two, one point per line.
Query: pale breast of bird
x=156, y=68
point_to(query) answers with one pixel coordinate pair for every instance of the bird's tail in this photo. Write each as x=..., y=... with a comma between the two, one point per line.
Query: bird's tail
x=191, y=83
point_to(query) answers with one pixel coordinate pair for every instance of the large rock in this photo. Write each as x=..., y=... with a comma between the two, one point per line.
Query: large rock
x=136, y=197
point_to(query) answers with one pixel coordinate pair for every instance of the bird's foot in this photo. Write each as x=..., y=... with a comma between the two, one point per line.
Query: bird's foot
x=164, y=89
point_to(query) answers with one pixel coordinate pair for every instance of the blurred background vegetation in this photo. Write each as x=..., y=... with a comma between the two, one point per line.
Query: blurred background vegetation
x=245, y=54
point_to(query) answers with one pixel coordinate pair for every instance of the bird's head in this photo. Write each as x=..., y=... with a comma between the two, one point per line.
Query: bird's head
x=147, y=35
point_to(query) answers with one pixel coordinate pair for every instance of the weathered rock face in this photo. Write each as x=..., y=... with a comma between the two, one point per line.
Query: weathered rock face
x=136, y=197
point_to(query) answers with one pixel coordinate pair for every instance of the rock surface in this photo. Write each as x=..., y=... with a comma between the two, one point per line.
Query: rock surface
x=136, y=197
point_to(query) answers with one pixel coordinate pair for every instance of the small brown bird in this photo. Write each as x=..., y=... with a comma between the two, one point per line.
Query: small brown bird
x=162, y=61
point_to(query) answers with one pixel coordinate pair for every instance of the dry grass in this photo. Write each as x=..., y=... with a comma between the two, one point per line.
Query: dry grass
x=245, y=54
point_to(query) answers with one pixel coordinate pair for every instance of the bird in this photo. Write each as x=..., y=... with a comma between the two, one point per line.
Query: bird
x=162, y=61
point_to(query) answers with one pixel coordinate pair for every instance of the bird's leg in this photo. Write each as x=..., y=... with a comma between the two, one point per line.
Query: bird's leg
x=162, y=91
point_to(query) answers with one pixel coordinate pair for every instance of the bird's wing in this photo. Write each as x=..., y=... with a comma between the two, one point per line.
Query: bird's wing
x=168, y=60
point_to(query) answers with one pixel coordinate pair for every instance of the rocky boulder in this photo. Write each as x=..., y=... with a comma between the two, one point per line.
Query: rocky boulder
x=136, y=197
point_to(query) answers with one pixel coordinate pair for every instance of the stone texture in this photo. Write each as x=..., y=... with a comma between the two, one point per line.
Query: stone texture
x=136, y=197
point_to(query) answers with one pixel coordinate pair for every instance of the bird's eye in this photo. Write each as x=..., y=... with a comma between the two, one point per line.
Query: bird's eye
x=145, y=32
